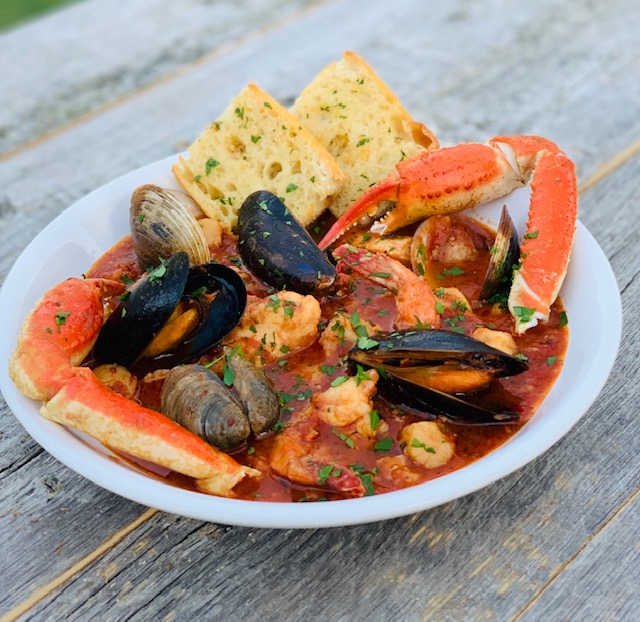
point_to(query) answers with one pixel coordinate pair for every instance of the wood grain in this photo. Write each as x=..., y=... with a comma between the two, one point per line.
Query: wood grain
x=102, y=51
x=561, y=525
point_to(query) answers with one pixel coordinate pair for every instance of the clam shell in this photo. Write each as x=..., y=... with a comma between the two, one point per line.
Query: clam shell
x=256, y=393
x=163, y=222
x=195, y=398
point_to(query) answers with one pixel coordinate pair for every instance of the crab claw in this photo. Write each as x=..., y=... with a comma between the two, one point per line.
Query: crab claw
x=366, y=207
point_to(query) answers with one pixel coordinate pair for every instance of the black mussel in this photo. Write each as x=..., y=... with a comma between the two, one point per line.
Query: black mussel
x=427, y=371
x=174, y=313
x=139, y=317
x=220, y=296
x=258, y=398
x=278, y=249
x=432, y=404
x=195, y=398
x=505, y=254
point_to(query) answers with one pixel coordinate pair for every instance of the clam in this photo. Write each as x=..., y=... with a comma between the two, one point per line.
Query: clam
x=172, y=314
x=198, y=400
x=278, y=249
x=255, y=392
x=163, y=222
x=505, y=254
x=195, y=398
x=430, y=372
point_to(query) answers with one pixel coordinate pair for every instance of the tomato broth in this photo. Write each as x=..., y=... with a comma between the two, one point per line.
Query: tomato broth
x=362, y=301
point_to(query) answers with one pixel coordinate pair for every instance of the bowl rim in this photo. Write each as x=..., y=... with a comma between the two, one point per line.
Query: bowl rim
x=593, y=344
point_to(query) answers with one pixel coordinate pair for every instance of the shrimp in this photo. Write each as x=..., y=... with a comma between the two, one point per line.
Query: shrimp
x=415, y=303
x=275, y=325
x=298, y=456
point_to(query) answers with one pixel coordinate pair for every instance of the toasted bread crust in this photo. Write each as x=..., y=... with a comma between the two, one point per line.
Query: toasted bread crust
x=257, y=144
x=361, y=123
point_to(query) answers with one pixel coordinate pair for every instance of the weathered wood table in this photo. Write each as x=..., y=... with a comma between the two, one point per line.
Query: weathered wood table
x=101, y=88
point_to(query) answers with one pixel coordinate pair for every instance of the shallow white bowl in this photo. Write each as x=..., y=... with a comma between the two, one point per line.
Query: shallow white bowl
x=74, y=240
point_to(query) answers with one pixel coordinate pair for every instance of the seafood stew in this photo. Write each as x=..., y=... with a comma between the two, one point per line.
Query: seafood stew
x=307, y=457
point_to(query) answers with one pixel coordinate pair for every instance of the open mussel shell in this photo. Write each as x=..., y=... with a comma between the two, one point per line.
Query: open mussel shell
x=163, y=222
x=399, y=356
x=221, y=296
x=139, y=317
x=278, y=249
x=215, y=292
x=432, y=404
x=505, y=254
x=195, y=398
x=415, y=347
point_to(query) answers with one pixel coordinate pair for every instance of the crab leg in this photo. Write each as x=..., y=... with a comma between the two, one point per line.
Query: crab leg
x=415, y=302
x=58, y=334
x=440, y=182
x=85, y=404
x=547, y=244
x=456, y=178
x=54, y=339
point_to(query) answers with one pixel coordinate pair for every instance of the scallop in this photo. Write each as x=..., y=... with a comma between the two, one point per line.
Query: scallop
x=163, y=222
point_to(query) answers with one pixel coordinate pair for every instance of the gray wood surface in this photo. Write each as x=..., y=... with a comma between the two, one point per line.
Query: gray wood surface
x=556, y=540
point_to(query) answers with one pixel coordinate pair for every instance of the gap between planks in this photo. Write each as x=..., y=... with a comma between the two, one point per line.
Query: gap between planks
x=43, y=591
x=223, y=50
x=609, y=167
x=578, y=552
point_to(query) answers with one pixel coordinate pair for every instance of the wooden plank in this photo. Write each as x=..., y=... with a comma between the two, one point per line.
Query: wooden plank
x=73, y=61
x=487, y=554
x=603, y=579
x=44, y=525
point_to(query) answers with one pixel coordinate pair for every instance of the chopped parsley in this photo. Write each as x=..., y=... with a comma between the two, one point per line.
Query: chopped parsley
x=374, y=419
x=384, y=444
x=454, y=271
x=210, y=164
x=325, y=472
x=343, y=437
x=419, y=444
x=61, y=317
x=524, y=313
x=155, y=276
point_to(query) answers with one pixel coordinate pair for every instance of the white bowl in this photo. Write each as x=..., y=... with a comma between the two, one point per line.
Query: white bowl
x=74, y=240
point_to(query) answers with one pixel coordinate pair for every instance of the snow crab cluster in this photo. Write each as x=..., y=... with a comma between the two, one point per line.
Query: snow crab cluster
x=365, y=363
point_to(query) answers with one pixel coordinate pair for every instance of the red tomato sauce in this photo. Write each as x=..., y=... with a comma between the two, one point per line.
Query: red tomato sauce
x=544, y=346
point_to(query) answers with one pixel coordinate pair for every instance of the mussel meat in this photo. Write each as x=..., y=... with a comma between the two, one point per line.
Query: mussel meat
x=163, y=222
x=173, y=313
x=427, y=371
x=278, y=249
x=505, y=254
x=198, y=400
